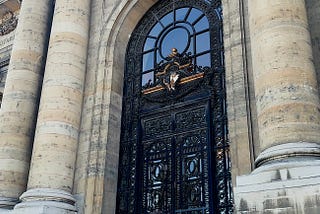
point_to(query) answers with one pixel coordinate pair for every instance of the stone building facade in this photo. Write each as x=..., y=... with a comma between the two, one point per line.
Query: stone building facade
x=64, y=89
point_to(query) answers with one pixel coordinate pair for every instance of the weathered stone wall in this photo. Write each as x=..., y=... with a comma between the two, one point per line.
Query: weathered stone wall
x=97, y=159
x=238, y=95
x=97, y=162
x=252, y=108
x=313, y=9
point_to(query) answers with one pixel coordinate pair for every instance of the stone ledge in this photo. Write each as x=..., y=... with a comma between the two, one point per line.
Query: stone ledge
x=286, y=170
x=280, y=190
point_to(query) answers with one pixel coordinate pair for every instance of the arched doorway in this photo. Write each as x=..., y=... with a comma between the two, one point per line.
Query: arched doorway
x=174, y=147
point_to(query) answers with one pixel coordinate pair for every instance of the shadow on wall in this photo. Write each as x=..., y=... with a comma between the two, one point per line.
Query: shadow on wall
x=1, y=98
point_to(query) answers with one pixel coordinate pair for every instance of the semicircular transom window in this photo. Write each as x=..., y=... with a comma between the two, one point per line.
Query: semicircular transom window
x=187, y=30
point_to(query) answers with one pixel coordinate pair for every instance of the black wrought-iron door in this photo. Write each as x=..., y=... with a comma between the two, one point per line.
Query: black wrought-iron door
x=176, y=160
x=174, y=150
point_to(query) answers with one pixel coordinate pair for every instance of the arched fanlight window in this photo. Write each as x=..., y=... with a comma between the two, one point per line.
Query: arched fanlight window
x=187, y=30
x=174, y=145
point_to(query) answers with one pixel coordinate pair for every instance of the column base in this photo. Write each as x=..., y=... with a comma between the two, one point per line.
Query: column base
x=287, y=150
x=46, y=201
x=7, y=203
x=283, y=187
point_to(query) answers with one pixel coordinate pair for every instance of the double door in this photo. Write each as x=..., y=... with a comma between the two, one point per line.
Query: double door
x=174, y=168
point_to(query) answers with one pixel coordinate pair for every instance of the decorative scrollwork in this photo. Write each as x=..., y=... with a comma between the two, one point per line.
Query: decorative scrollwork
x=8, y=23
x=176, y=69
x=191, y=119
x=157, y=126
x=160, y=93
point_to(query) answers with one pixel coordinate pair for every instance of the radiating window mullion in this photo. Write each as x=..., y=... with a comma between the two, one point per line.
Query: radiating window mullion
x=187, y=15
x=198, y=19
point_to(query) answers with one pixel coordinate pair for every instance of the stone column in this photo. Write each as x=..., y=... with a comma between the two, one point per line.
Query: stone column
x=56, y=138
x=21, y=97
x=285, y=80
x=287, y=177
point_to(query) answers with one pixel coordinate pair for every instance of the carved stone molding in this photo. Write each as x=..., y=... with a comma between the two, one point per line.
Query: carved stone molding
x=288, y=150
x=8, y=23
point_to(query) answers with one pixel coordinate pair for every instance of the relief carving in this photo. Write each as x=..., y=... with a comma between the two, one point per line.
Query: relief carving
x=178, y=69
x=8, y=23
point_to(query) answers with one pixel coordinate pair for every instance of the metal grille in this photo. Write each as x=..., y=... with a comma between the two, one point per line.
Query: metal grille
x=174, y=151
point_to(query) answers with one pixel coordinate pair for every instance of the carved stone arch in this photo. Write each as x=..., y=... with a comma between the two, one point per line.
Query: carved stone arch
x=125, y=22
x=118, y=40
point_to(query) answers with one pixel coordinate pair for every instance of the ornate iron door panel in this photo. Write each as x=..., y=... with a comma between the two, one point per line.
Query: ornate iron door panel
x=175, y=161
x=157, y=178
x=192, y=191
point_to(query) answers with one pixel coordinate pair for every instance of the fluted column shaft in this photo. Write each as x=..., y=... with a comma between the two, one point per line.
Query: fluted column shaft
x=285, y=80
x=55, y=145
x=21, y=96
